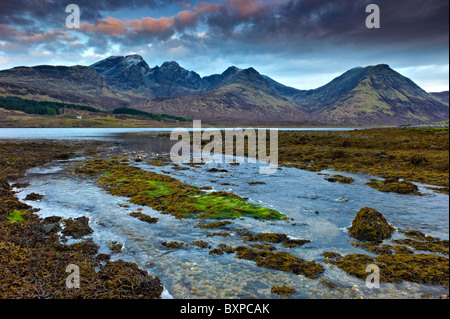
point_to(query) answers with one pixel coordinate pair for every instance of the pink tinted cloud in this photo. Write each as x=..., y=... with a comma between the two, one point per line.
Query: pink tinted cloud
x=110, y=26
x=245, y=8
x=181, y=21
x=11, y=34
x=237, y=12
x=151, y=25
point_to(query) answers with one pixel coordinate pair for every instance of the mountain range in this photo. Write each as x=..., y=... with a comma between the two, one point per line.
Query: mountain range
x=363, y=96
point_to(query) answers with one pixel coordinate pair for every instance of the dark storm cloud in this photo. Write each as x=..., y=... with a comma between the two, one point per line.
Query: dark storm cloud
x=294, y=23
x=51, y=12
x=413, y=32
x=289, y=25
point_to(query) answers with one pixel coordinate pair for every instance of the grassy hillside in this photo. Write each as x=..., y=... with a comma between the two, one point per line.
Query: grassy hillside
x=17, y=112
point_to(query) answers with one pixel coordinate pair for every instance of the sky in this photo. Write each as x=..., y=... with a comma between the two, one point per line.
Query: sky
x=300, y=43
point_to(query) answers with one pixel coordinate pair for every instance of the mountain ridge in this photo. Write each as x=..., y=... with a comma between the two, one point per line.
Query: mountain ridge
x=373, y=95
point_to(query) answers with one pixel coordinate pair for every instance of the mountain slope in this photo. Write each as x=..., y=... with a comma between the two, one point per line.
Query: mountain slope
x=375, y=95
x=370, y=96
x=132, y=74
x=442, y=97
x=77, y=84
x=125, y=74
x=234, y=97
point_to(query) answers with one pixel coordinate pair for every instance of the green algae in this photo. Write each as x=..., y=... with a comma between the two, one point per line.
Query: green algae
x=221, y=205
x=15, y=216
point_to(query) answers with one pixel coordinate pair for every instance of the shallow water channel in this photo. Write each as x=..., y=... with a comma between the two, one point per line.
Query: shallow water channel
x=314, y=205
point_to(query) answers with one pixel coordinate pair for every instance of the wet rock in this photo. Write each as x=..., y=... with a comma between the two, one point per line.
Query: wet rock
x=221, y=234
x=150, y=286
x=282, y=261
x=115, y=247
x=19, y=185
x=263, y=247
x=126, y=277
x=394, y=185
x=278, y=238
x=340, y=179
x=216, y=170
x=34, y=197
x=52, y=219
x=5, y=188
x=201, y=244
x=63, y=156
x=103, y=257
x=216, y=251
x=77, y=228
x=424, y=243
x=282, y=291
x=221, y=224
x=370, y=225
x=158, y=163
x=144, y=218
x=50, y=228
x=173, y=244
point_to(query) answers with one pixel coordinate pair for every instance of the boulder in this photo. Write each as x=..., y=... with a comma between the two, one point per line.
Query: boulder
x=370, y=225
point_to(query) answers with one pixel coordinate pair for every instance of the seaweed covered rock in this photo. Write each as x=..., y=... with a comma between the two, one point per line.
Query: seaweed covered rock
x=395, y=186
x=282, y=291
x=144, y=218
x=340, y=179
x=77, y=228
x=282, y=261
x=398, y=267
x=220, y=224
x=370, y=225
x=118, y=278
x=173, y=244
x=34, y=197
x=278, y=238
x=4, y=187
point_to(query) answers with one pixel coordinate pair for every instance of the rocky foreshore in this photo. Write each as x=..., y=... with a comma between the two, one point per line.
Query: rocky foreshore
x=34, y=256
x=443, y=125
